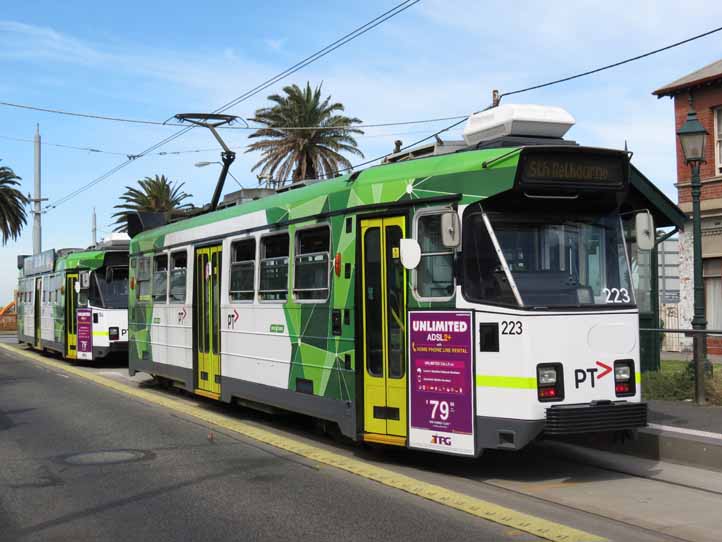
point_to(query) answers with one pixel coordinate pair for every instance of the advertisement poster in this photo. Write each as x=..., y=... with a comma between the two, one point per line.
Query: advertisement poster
x=441, y=379
x=85, y=334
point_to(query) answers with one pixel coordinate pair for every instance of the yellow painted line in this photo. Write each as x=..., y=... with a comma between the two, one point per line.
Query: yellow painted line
x=542, y=528
x=100, y=334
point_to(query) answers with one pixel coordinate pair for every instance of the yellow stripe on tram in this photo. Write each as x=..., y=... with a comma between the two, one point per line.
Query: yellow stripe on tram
x=542, y=528
x=518, y=382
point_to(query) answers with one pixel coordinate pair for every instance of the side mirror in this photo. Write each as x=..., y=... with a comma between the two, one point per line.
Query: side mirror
x=410, y=253
x=644, y=225
x=450, y=230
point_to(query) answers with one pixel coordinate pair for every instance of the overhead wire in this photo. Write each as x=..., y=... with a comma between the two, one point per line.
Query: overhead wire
x=542, y=85
x=247, y=128
x=359, y=31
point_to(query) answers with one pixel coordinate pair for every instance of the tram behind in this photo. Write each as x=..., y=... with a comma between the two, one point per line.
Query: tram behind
x=75, y=301
x=455, y=302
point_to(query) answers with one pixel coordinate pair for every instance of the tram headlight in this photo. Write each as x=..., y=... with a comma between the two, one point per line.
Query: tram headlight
x=546, y=376
x=624, y=381
x=550, y=382
x=113, y=333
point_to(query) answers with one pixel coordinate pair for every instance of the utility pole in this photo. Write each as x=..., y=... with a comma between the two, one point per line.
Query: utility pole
x=95, y=229
x=37, y=226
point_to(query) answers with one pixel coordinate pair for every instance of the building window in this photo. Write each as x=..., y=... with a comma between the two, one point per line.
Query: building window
x=718, y=138
x=311, y=264
x=712, y=273
x=179, y=265
x=434, y=277
x=243, y=270
x=274, y=268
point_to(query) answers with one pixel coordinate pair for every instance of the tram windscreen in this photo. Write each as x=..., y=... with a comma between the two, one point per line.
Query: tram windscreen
x=569, y=262
x=111, y=287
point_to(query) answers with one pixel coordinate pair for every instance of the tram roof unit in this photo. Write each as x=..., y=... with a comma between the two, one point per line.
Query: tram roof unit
x=484, y=165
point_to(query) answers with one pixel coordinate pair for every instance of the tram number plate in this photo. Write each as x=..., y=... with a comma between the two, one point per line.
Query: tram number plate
x=511, y=327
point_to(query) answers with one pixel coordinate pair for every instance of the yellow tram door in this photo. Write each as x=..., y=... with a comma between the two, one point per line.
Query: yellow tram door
x=384, y=330
x=71, y=322
x=207, y=315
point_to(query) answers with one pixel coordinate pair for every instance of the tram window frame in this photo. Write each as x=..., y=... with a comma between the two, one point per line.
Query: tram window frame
x=158, y=297
x=419, y=216
x=283, y=294
x=172, y=267
x=298, y=255
x=143, y=278
x=235, y=264
x=504, y=299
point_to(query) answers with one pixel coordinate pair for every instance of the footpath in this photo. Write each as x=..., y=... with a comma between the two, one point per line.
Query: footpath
x=677, y=432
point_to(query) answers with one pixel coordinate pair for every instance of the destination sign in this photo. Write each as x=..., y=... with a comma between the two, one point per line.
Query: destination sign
x=40, y=263
x=575, y=168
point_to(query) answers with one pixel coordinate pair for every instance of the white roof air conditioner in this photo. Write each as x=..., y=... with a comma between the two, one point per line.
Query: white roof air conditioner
x=517, y=120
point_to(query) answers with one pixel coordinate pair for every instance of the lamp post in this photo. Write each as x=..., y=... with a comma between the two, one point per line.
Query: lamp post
x=692, y=138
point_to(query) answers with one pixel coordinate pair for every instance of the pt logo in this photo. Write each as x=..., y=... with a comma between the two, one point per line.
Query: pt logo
x=438, y=439
x=232, y=319
x=182, y=315
x=581, y=375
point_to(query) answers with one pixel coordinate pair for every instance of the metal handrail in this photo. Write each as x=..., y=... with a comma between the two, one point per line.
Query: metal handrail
x=686, y=331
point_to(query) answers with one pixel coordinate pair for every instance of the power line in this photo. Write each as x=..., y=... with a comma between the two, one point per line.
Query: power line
x=403, y=6
x=247, y=128
x=616, y=64
x=543, y=85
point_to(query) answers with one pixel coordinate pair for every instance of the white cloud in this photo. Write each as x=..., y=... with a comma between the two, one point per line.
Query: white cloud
x=275, y=44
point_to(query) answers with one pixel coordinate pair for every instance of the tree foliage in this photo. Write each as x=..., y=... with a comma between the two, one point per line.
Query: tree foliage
x=12, y=205
x=154, y=194
x=310, y=153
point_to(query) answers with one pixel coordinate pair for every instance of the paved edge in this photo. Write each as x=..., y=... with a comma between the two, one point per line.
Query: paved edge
x=542, y=528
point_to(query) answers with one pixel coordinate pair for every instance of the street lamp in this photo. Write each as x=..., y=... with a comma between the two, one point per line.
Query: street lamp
x=693, y=138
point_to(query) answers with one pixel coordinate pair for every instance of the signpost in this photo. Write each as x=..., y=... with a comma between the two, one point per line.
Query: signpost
x=441, y=381
x=85, y=334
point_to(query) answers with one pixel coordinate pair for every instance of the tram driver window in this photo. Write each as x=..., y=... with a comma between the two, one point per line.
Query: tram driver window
x=243, y=270
x=434, y=276
x=160, y=278
x=179, y=265
x=311, y=264
x=274, y=268
x=484, y=277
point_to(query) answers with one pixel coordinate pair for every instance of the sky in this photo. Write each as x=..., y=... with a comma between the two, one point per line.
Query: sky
x=440, y=58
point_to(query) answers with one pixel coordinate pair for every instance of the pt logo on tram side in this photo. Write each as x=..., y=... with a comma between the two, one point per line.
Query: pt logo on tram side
x=581, y=375
x=232, y=319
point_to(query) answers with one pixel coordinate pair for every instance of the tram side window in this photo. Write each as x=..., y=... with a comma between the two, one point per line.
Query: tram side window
x=484, y=277
x=311, y=264
x=243, y=270
x=178, y=269
x=435, y=273
x=160, y=278
x=143, y=277
x=274, y=268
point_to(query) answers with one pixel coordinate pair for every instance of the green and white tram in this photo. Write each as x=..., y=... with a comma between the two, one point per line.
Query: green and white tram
x=74, y=301
x=456, y=298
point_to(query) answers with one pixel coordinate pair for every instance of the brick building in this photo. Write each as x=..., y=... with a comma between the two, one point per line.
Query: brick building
x=704, y=86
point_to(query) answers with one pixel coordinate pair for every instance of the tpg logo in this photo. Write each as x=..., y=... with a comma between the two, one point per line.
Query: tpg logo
x=438, y=439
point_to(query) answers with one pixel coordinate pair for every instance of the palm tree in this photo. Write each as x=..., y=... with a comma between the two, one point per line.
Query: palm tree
x=308, y=153
x=155, y=195
x=12, y=205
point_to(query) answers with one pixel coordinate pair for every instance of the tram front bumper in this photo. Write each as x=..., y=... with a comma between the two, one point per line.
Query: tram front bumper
x=595, y=417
